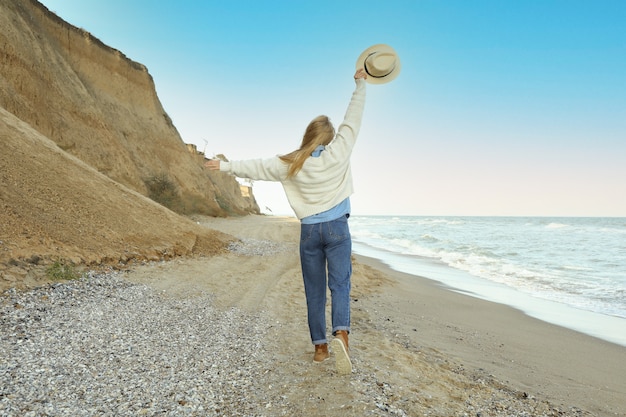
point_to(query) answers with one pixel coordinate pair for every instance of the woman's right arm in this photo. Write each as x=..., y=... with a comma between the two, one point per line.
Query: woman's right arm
x=270, y=169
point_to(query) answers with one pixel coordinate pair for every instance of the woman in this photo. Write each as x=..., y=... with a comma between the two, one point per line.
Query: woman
x=318, y=183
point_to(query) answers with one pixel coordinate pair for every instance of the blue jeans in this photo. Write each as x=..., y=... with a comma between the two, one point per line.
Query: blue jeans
x=326, y=247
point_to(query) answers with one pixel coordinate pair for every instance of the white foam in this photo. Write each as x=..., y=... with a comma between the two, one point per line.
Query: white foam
x=603, y=326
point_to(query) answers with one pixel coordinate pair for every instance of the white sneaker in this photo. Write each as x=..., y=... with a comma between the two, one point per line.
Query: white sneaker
x=342, y=359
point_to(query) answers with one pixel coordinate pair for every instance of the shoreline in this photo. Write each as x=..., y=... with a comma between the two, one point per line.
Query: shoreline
x=608, y=328
x=528, y=353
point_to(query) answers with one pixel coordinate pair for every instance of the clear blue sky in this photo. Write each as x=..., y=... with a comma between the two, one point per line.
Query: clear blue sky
x=502, y=107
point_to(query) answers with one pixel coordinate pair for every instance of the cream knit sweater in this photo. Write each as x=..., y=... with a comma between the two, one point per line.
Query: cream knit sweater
x=323, y=182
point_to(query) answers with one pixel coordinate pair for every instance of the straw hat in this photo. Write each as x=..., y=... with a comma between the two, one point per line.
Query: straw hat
x=380, y=62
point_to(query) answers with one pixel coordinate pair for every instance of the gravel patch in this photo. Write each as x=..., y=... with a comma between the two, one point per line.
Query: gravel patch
x=255, y=247
x=103, y=346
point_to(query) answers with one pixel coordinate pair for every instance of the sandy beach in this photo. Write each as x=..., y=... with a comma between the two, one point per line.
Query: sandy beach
x=425, y=350
x=227, y=335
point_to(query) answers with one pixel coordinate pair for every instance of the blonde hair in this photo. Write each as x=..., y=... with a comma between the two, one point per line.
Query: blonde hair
x=319, y=132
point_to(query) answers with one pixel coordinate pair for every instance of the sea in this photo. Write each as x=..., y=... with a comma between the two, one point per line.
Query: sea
x=567, y=271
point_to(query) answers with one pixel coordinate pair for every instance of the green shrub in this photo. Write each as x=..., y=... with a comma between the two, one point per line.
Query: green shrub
x=62, y=271
x=162, y=190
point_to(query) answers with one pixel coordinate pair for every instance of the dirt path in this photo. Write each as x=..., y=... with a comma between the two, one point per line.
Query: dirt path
x=394, y=374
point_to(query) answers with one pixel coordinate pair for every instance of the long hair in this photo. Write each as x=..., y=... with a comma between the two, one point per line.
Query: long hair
x=319, y=132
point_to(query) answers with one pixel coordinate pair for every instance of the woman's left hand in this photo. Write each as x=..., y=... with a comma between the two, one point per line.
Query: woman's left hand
x=360, y=73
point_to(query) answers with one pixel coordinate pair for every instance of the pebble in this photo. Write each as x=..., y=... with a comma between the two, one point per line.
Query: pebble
x=103, y=346
x=255, y=247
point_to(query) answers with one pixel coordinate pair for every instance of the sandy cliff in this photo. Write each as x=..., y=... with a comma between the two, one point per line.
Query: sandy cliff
x=98, y=105
x=85, y=140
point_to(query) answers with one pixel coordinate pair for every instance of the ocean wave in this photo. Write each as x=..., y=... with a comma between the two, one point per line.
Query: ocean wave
x=575, y=268
x=576, y=261
x=556, y=226
x=429, y=238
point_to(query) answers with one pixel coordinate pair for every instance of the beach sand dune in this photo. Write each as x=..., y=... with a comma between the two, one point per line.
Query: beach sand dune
x=417, y=348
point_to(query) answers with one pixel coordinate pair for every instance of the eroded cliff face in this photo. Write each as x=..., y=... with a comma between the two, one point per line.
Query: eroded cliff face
x=101, y=107
x=84, y=140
